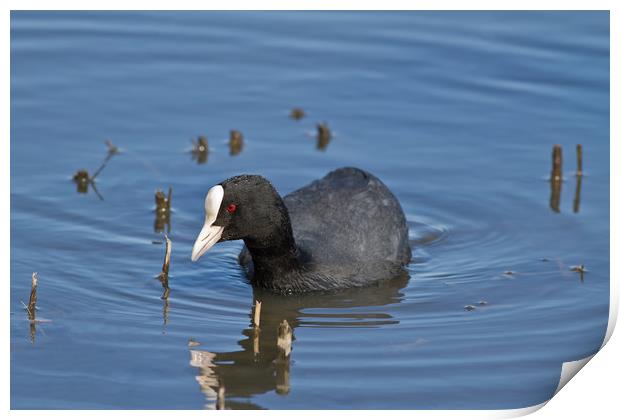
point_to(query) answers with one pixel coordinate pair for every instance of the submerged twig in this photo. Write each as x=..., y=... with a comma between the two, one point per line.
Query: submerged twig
x=32, y=302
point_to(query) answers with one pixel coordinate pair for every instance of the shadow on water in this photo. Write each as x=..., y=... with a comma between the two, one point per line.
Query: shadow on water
x=263, y=363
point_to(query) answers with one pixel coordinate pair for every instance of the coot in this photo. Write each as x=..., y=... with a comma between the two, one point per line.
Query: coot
x=344, y=230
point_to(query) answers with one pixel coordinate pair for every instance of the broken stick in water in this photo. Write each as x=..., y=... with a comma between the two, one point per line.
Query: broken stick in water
x=163, y=210
x=285, y=339
x=256, y=316
x=256, y=329
x=579, y=174
x=283, y=361
x=556, y=169
x=556, y=178
x=32, y=302
x=162, y=202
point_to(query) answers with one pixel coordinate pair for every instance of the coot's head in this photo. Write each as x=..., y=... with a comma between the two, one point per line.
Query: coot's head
x=243, y=207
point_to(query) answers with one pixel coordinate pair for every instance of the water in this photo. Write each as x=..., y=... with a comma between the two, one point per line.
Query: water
x=455, y=112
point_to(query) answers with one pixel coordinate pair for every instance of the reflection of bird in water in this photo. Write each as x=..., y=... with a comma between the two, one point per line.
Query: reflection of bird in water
x=263, y=363
x=203, y=360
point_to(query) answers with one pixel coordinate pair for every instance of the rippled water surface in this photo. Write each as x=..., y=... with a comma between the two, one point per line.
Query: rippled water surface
x=456, y=112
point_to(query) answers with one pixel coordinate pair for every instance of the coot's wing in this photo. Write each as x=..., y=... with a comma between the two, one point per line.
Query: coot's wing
x=349, y=218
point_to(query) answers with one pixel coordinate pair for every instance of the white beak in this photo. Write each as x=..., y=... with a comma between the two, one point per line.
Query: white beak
x=209, y=235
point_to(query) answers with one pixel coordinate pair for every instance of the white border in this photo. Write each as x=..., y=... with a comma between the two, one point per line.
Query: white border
x=596, y=385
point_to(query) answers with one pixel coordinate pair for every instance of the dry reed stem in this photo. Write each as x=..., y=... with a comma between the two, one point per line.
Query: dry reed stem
x=579, y=160
x=166, y=266
x=32, y=302
x=556, y=171
x=256, y=318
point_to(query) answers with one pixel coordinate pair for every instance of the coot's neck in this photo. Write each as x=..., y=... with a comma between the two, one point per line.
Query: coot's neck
x=274, y=253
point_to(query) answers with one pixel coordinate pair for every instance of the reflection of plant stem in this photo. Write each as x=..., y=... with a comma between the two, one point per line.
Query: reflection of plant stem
x=163, y=278
x=577, y=199
x=166, y=306
x=33, y=331
x=554, y=201
x=579, y=160
x=92, y=184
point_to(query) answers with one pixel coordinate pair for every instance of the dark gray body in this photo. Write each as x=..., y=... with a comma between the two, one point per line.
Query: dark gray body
x=349, y=229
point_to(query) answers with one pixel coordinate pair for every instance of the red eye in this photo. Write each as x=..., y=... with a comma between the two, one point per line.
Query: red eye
x=232, y=207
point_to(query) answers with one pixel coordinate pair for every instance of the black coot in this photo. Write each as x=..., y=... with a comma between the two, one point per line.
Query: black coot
x=344, y=230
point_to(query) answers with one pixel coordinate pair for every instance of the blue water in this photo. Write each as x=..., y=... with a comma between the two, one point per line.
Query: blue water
x=456, y=112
